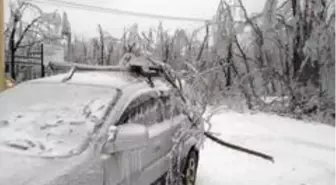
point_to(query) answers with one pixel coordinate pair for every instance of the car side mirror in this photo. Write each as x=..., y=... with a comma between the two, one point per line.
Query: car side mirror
x=126, y=137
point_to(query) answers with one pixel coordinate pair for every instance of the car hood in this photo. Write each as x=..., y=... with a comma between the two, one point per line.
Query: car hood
x=17, y=169
x=45, y=132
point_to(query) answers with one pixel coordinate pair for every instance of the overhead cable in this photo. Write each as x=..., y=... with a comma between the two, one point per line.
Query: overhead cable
x=117, y=11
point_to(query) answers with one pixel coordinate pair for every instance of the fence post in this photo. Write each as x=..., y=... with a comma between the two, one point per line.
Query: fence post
x=42, y=62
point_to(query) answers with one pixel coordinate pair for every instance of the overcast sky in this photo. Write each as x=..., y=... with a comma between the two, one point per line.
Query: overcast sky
x=84, y=22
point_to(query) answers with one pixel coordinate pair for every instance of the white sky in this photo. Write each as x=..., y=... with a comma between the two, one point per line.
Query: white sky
x=84, y=23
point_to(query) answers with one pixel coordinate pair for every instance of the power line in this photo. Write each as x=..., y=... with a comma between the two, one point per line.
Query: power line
x=116, y=11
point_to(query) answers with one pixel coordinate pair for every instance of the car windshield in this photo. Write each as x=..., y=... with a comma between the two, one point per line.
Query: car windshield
x=52, y=119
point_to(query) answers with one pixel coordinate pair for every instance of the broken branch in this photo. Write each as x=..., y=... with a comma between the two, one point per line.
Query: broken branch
x=238, y=148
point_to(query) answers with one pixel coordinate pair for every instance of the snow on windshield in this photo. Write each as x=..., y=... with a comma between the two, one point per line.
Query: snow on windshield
x=51, y=119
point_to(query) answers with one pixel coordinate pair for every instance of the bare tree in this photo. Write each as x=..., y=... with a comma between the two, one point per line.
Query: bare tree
x=66, y=31
x=102, y=44
x=15, y=37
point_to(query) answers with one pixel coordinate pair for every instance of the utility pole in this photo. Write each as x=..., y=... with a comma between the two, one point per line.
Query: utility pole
x=2, y=48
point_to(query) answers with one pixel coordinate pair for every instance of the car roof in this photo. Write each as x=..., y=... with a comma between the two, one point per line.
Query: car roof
x=120, y=80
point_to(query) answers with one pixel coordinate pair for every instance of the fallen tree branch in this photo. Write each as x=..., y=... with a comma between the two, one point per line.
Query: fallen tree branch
x=167, y=74
x=238, y=148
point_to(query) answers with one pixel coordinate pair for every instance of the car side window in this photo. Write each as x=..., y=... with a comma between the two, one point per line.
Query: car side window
x=171, y=106
x=133, y=112
x=146, y=110
x=154, y=111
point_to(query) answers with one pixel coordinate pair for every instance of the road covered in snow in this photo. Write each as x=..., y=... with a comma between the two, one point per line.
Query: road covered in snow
x=304, y=152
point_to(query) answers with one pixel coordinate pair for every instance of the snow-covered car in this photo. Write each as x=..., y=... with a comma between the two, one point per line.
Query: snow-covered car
x=97, y=127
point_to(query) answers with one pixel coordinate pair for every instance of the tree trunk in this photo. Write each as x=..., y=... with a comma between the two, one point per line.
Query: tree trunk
x=13, y=73
x=229, y=60
x=12, y=51
x=69, y=47
x=297, y=40
x=229, y=78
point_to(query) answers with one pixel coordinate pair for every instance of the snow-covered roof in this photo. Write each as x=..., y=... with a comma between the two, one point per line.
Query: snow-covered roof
x=112, y=79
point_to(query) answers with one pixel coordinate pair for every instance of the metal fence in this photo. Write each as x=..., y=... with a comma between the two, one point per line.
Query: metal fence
x=26, y=66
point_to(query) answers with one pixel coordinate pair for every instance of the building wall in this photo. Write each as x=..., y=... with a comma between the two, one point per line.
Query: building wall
x=53, y=52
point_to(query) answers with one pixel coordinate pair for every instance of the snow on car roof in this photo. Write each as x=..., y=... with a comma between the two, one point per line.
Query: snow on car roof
x=113, y=79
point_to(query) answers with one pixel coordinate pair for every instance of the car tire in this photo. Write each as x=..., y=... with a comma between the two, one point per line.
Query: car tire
x=190, y=168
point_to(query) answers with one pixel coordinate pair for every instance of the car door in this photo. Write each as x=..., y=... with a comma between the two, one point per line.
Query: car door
x=148, y=109
x=177, y=120
x=131, y=163
x=160, y=133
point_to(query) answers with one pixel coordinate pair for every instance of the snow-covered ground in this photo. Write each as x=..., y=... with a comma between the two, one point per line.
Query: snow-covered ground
x=304, y=153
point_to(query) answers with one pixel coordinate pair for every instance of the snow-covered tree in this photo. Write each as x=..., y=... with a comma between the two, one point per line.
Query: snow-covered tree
x=23, y=32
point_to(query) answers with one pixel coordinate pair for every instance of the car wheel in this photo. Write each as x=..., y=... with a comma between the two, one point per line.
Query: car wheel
x=190, y=169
